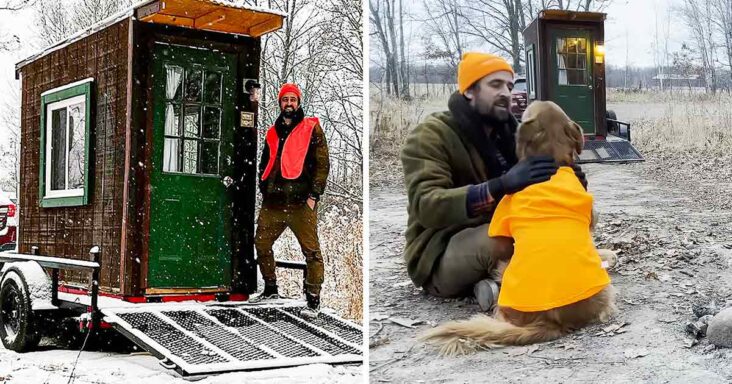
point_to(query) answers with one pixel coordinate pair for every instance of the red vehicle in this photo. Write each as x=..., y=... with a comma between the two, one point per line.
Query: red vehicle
x=519, y=98
x=8, y=222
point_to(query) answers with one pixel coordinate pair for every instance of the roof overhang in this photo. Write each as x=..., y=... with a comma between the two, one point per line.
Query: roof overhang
x=209, y=15
x=558, y=14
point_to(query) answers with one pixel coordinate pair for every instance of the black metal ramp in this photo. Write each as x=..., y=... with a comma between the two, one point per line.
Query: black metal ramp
x=199, y=338
x=614, y=149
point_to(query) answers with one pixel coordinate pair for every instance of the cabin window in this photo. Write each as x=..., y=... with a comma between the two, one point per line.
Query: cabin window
x=531, y=72
x=572, y=60
x=65, y=122
x=192, y=120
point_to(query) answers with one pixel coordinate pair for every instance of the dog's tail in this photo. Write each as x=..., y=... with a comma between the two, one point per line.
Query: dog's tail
x=461, y=337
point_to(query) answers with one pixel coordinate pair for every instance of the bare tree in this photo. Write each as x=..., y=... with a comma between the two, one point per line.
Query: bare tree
x=499, y=24
x=59, y=20
x=382, y=19
x=10, y=148
x=12, y=42
x=697, y=15
x=579, y=5
x=722, y=21
x=683, y=63
x=443, y=33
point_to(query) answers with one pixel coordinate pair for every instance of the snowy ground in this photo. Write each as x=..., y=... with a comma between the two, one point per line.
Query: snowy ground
x=670, y=217
x=54, y=366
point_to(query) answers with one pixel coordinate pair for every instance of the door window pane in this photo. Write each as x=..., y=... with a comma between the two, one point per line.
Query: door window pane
x=192, y=121
x=212, y=88
x=194, y=85
x=571, y=61
x=172, y=120
x=171, y=154
x=210, y=157
x=58, y=149
x=76, y=160
x=173, y=80
x=190, y=156
x=211, y=122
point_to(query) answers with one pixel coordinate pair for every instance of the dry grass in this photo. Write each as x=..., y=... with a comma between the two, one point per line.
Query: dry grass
x=614, y=95
x=697, y=124
x=340, y=229
x=390, y=121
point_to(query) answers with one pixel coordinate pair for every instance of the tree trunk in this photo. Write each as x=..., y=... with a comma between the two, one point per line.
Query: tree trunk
x=402, y=67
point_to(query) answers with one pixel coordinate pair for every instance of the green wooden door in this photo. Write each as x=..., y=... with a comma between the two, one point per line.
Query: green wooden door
x=190, y=212
x=571, y=76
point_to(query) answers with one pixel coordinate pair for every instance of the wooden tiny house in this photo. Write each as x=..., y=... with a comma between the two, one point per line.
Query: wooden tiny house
x=137, y=136
x=565, y=64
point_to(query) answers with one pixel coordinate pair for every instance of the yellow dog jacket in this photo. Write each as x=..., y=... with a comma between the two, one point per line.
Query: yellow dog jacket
x=554, y=262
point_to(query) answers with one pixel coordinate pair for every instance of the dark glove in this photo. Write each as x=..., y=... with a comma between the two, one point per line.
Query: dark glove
x=526, y=172
x=580, y=175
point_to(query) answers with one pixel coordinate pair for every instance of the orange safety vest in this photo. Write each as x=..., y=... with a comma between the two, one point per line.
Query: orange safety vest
x=294, y=151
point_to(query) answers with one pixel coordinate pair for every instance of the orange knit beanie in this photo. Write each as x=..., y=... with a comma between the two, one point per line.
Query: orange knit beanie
x=475, y=65
x=289, y=88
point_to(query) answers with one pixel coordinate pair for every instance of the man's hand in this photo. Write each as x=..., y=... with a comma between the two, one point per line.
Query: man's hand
x=311, y=203
x=526, y=172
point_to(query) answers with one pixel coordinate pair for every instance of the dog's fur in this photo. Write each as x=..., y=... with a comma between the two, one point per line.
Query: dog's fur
x=546, y=130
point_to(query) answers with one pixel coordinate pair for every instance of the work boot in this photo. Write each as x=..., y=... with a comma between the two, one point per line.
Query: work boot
x=486, y=294
x=270, y=293
x=313, y=308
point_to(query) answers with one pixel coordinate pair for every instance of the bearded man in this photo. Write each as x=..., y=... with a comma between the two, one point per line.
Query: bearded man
x=293, y=173
x=457, y=165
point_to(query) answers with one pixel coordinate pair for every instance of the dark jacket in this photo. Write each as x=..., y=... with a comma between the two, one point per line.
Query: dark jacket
x=442, y=157
x=276, y=189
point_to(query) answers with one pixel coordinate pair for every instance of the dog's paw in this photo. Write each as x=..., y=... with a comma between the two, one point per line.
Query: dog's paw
x=609, y=258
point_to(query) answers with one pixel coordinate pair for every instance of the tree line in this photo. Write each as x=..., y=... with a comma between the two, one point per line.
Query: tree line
x=450, y=27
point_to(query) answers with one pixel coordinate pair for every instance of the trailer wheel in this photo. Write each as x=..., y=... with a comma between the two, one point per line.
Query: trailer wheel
x=17, y=321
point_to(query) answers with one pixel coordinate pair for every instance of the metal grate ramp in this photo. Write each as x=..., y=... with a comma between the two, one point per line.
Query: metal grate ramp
x=611, y=150
x=199, y=338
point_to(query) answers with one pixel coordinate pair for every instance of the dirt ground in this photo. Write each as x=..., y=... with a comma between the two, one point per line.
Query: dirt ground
x=670, y=218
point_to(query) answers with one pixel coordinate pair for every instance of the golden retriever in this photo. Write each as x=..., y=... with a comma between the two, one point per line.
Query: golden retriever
x=546, y=130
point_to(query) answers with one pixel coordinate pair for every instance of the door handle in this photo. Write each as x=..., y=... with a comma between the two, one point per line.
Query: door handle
x=227, y=180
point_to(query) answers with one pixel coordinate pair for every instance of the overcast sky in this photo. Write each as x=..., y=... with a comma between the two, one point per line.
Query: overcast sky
x=630, y=23
x=631, y=26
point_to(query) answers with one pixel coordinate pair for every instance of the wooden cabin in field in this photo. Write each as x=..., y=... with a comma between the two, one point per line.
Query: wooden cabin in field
x=138, y=136
x=565, y=63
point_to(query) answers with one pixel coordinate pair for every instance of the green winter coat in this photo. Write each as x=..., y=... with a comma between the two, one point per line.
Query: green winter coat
x=440, y=163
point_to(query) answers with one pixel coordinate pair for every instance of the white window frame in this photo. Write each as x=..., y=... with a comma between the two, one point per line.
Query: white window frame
x=49, y=128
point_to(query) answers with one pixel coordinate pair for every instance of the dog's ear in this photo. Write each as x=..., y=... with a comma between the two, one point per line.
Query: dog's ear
x=530, y=137
x=574, y=132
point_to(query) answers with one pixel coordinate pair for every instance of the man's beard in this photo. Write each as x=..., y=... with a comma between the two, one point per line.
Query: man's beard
x=498, y=112
x=289, y=113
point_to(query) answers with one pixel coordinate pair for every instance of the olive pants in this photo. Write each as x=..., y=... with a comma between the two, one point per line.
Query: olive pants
x=303, y=221
x=470, y=256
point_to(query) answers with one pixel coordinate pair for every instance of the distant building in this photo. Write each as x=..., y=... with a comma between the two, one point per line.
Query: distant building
x=665, y=80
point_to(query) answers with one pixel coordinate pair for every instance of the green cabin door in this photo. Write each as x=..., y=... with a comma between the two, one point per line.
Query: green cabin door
x=571, y=76
x=190, y=208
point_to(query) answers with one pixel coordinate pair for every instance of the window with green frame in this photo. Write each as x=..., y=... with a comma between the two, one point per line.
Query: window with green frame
x=65, y=128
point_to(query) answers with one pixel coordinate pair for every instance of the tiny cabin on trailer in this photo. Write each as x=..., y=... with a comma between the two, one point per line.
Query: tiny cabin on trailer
x=138, y=136
x=565, y=63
